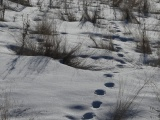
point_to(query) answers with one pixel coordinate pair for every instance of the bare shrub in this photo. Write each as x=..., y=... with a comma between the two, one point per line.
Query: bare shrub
x=156, y=61
x=22, y=2
x=50, y=45
x=78, y=63
x=145, y=7
x=126, y=7
x=1, y=2
x=54, y=4
x=72, y=60
x=143, y=45
x=71, y=55
x=5, y=106
x=116, y=3
x=44, y=27
x=134, y=3
x=111, y=46
x=158, y=54
x=156, y=91
x=2, y=12
x=90, y=16
x=50, y=3
x=68, y=16
x=128, y=16
x=103, y=44
x=53, y=46
x=29, y=46
x=125, y=106
x=23, y=38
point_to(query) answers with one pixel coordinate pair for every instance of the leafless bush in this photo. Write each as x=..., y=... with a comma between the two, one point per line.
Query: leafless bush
x=69, y=16
x=143, y=44
x=158, y=54
x=128, y=16
x=23, y=38
x=116, y=3
x=79, y=63
x=53, y=47
x=1, y=2
x=125, y=106
x=156, y=61
x=156, y=91
x=50, y=3
x=127, y=7
x=50, y=45
x=55, y=4
x=144, y=7
x=90, y=16
x=103, y=44
x=5, y=106
x=22, y=2
x=134, y=3
x=71, y=59
x=2, y=12
x=44, y=27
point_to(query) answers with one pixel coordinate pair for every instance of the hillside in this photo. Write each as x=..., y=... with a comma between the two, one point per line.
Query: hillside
x=80, y=60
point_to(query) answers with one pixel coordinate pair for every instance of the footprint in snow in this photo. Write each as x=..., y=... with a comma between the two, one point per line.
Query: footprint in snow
x=70, y=117
x=99, y=92
x=120, y=55
x=115, y=72
x=88, y=116
x=121, y=61
x=118, y=48
x=78, y=107
x=120, y=66
x=108, y=75
x=118, y=30
x=96, y=104
x=109, y=84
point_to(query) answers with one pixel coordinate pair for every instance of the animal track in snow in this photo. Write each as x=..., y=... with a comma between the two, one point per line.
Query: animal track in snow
x=120, y=55
x=99, y=92
x=96, y=104
x=78, y=107
x=109, y=84
x=108, y=75
x=70, y=117
x=88, y=115
x=120, y=66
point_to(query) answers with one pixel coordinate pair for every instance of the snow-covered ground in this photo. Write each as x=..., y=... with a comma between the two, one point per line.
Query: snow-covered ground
x=42, y=88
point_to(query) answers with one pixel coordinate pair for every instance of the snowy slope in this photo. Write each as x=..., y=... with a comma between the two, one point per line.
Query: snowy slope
x=40, y=87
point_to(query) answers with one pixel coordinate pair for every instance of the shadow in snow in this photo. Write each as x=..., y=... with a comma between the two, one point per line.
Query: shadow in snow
x=71, y=117
x=96, y=104
x=108, y=75
x=11, y=67
x=100, y=57
x=100, y=92
x=34, y=64
x=109, y=84
x=88, y=115
x=78, y=107
x=22, y=112
x=123, y=39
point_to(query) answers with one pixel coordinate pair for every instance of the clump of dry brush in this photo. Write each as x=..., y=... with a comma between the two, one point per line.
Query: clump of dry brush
x=48, y=42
